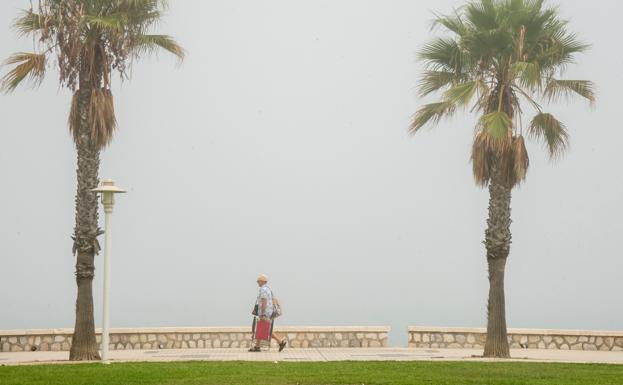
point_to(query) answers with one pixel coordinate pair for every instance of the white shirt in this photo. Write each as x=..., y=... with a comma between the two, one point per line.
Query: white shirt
x=265, y=293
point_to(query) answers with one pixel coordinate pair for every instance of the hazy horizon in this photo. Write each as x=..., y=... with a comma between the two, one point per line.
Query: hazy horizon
x=280, y=146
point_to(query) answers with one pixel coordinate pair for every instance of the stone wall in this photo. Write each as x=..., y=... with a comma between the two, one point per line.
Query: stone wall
x=197, y=337
x=465, y=338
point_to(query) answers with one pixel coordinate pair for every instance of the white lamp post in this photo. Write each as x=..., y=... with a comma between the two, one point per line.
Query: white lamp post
x=108, y=190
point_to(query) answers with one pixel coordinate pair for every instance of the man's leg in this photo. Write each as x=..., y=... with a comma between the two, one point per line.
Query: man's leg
x=282, y=341
x=277, y=337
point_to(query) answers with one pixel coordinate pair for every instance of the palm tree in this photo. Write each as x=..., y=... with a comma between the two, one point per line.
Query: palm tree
x=502, y=59
x=89, y=40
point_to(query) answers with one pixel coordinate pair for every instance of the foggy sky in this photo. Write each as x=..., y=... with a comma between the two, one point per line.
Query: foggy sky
x=280, y=146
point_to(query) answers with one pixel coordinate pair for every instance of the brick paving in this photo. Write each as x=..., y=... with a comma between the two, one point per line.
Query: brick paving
x=320, y=355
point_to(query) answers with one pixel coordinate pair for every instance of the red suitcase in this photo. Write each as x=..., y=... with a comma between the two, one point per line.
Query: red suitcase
x=262, y=330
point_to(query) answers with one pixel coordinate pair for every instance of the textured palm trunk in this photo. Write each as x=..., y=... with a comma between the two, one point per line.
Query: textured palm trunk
x=84, y=345
x=497, y=242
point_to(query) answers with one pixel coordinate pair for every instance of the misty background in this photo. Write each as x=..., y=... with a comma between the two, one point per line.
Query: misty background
x=280, y=146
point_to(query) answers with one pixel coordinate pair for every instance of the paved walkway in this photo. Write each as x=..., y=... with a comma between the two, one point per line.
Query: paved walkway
x=331, y=354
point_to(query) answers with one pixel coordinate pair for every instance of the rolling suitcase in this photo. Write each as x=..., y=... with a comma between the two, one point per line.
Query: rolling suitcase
x=262, y=331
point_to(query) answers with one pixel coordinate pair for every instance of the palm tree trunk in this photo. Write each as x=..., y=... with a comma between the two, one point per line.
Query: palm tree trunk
x=497, y=242
x=84, y=345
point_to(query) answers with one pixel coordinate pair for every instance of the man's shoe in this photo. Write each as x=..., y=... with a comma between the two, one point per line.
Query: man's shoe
x=255, y=349
x=282, y=345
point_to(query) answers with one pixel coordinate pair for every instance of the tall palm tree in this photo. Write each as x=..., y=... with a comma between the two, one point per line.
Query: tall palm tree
x=89, y=40
x=502, y=59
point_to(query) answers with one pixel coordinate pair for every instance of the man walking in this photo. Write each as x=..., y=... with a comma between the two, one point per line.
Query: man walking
x=264, y=310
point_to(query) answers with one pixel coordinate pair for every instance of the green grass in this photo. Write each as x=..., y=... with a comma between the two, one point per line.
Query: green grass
x=269, y=373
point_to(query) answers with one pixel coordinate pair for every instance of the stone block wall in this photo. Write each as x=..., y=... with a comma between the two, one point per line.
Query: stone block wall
x=466, y=338
x=197, y=337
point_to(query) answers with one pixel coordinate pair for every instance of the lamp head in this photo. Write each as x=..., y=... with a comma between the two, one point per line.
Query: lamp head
x=108, y=190
x=107, y=185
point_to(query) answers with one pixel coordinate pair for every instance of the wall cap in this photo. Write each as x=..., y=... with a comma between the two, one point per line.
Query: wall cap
x=545, y=332
x=208, y=329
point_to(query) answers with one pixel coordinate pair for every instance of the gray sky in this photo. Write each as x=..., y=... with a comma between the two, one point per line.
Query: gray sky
x=281, y=146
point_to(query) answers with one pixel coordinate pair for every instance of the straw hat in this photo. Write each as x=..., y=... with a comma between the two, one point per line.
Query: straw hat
x=262, y=278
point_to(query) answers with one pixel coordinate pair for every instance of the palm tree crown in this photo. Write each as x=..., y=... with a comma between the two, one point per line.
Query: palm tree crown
x=500, y=57
x=90, y=39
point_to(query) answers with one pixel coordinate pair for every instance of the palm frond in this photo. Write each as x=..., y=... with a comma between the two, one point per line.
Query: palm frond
x=148, y=44
x=553, y=133
x=481, y=159
x=432, y=81
x=482, y=15
x=461, y=94
x=453, y=23
x=528, y=74
x=498, y=124
x=555, y=48
x=442, y=54
x=142, y=13
x=528, y=97
x=509, y=162
x=556, y=89
x=112, y=22
x=102, y=120
x=521, y=161
x=28, y=22
x=432, y=112
x=100, y=115
x=30, y=66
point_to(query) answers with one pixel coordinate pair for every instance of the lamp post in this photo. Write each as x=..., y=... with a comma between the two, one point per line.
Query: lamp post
x=108, y=190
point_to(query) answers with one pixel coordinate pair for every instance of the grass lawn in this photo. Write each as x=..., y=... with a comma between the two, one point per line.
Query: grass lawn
x=268, y=373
